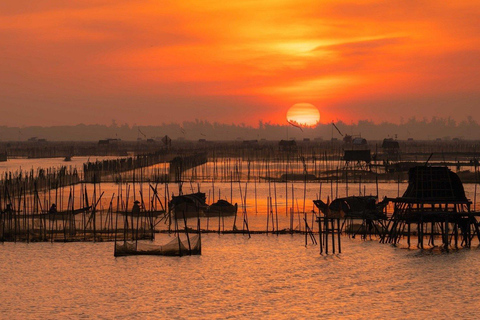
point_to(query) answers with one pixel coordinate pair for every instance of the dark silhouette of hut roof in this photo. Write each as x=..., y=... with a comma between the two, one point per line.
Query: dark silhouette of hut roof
x=357, y=155
x=389, y=143
x=287, y=145
x=222, y=203
x=434, y=184
x=353, y=204
x=198, y=198
x=359, y=141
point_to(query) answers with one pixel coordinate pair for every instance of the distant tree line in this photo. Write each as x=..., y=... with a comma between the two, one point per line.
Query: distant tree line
x=423, y=129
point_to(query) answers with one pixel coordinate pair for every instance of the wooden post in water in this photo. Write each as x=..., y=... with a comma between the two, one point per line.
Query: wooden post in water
x=327, y=231
x=268, y=214
x=320, y=234
x=338, y=233
x=276, y=208
x=333, y=235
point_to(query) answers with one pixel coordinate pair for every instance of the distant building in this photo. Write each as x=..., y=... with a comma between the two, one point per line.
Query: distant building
x=108, y=141
x=287, y=145
x=391, y=148
x=348, y=138
x=359, y=141
x=389, y=143
x=250, y=143
x=357, y=155
x=167, y=141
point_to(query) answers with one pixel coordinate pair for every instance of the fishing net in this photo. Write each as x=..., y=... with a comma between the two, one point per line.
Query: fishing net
x=176, y=247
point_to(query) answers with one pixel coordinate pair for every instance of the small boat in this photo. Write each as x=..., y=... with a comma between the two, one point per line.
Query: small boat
x=188, y=205
x=292, y=177
x=221, y=208
x=354, y=207
x=68, y=158
x=59, y=215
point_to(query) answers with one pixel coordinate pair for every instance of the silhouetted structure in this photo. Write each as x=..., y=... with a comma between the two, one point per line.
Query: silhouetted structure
x=357, y=155
x=180, y=164
x=391, y=149
x=221, y=208
x=436, y=204
x=188, y=205
x=287, y=145
x=359, y=208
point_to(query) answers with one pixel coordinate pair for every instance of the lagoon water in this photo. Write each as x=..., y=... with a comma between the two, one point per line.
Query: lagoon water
x=265, y=276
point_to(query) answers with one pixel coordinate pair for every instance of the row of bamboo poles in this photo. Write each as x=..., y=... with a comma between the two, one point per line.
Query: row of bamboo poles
x=80, y=212
x=26, y=199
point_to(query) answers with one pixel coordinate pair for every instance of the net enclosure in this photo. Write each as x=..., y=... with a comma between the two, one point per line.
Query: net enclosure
x=191, y=245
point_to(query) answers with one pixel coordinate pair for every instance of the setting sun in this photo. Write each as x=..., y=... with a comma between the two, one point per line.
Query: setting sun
x=303, y=114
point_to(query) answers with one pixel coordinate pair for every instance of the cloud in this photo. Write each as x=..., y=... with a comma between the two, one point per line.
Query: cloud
x=234, y=55
x=363, y=47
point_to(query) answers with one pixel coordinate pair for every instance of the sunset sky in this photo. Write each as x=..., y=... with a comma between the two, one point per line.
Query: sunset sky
x=152, y=62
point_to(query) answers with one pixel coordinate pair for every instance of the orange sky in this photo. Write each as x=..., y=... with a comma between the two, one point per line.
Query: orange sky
x=153, y=62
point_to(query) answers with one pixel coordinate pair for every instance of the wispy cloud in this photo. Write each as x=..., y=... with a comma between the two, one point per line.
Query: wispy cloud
x=214, y=59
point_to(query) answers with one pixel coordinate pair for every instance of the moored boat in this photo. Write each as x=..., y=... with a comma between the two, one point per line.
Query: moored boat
x=221, y=208
x=188, y=205
x=353, y=207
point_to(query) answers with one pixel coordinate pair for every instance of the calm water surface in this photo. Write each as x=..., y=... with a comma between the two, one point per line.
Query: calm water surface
x=236, y=277
x=25, y=165
x=266, y=277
